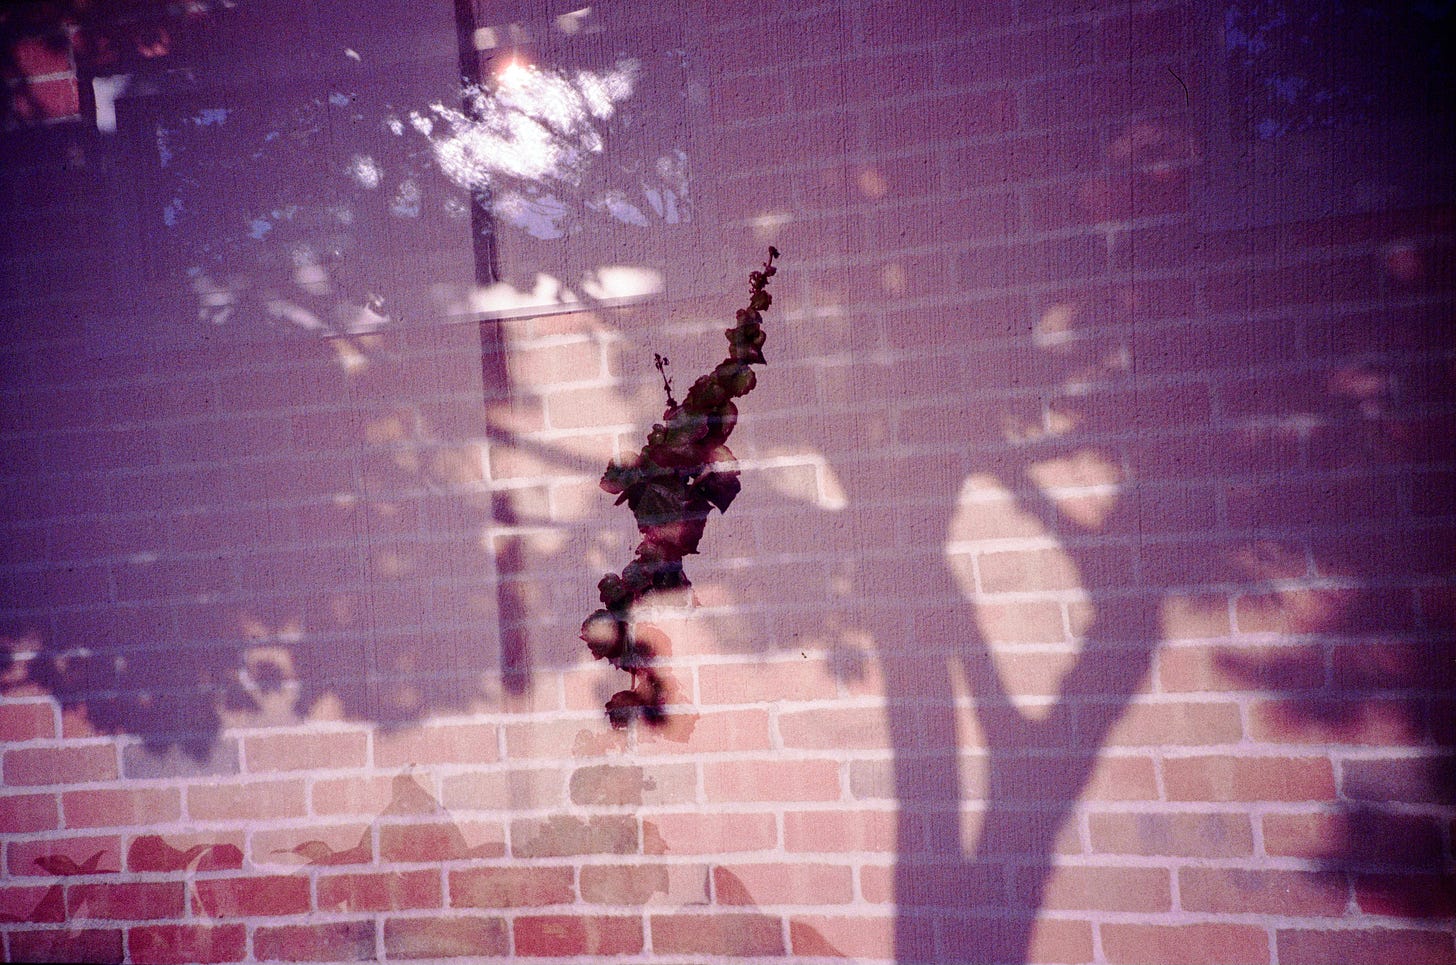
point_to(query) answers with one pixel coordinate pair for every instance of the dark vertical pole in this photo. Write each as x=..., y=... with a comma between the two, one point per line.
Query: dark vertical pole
x=482, y=225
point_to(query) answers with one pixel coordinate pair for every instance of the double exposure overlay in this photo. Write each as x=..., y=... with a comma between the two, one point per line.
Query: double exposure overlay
x=1088, y=593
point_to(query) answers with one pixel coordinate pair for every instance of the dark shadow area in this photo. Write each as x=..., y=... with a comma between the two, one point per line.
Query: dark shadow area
x=280, y=541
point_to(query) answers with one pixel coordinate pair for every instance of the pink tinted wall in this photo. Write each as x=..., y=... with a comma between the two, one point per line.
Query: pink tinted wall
x=1089, y=597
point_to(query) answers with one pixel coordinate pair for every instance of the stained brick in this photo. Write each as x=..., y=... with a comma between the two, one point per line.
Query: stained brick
x=445, y=937
x=341, y=941
x=562, y=935
x=510, y=887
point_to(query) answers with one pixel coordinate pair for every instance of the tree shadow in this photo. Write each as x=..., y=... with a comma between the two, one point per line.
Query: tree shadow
x=303, y=537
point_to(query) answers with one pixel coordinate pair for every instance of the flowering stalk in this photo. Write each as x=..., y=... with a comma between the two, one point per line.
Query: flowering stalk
x=671, y=485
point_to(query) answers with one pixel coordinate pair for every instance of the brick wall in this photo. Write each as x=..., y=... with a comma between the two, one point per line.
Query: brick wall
x=1089, y=598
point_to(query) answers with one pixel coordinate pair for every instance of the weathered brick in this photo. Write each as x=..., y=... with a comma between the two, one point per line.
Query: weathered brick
x=446, y=937
x=563, y=935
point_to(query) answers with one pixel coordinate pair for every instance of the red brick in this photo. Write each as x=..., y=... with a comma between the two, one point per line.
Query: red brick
x=440, y=841
x=779, y=780
x=26, y=721
x=211, y=851
x=835, y=728
x=371, y=796
x=552, y=365
x=563, y=835
x=1227, y=778
x=708, y=833
x=827, y=832
x=733, y=730
x=610, y=784
x=1224, y=668
x=100, y=945
x=1350, y=720
x=252, y=895
x=39, y=56
x=1122, y=777
x=563, y=935
x=340, y=941
x=20, y=813
x=1389, y=839
x=1262, y=891
x=1135, y=944
x=65, y=856
x=442, y=744
x=511, y=887
x=557, y=739
x=1091, y=888
x=33, y=903
x=859, y=936
x=782, y=884
x=112, y=807
x=386, y=891
x=501, y=790
x=46, y=100
x=251, y=801
x=305, y=752
x=1370, y=946
x=763, y=683
x=446, y=937
x=640, y=884
x=37, y=766
x=184, y=944
x=721, y=934
x=1060, y=940
x=1154, y=833
x=125, y=900
x=1161, y=724
x=313, y=844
